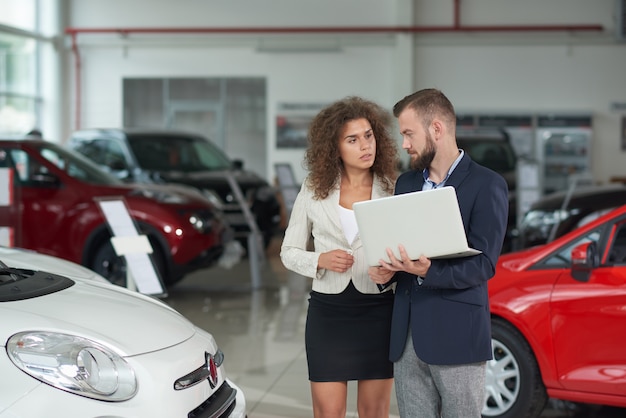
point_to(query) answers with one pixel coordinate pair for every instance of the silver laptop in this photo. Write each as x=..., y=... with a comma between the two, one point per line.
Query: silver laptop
x=425, y=222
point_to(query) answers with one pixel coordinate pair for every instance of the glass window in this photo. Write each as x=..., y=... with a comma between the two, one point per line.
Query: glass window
x=94, y=150
x=225, y=110
x=617, y=254
x=17, y=64
x=563, y=256
x=181, y=153
x=19, y=13
x=18, y=84
x=114, y=156
x=76, y=165
x=28, y=169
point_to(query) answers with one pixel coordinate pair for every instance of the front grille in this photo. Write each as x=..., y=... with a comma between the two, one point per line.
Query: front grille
x=219, y=405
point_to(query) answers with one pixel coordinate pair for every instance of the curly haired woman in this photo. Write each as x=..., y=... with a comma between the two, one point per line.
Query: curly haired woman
x=351, y=158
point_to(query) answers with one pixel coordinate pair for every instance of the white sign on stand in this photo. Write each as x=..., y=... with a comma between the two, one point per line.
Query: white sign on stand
x=127, y=243
x=6, y=199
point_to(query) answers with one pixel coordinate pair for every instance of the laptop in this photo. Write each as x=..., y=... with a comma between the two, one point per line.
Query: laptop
x=425, y=222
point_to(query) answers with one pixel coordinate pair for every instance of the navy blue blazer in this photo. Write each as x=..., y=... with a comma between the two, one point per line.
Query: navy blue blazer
x=449, y=313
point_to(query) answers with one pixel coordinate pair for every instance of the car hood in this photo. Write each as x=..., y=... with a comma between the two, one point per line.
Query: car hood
x=245, y=179
x=26, y=259
x=161, y=193
x=517, y=261
x=116, y=317
x=523, y=259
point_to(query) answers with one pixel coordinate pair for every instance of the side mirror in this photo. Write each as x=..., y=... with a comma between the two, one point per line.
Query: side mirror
x=45, y=180
x=584, y=258
x=238, y=164
x=119, y=169
x=118, y=165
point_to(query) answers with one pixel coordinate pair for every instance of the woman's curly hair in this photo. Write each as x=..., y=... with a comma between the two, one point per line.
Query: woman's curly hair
x=322, y=157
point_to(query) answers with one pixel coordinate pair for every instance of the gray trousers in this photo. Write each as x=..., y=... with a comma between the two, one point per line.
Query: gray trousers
x=434, y=391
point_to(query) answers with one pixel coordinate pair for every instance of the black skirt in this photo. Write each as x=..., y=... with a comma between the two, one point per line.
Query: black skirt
x=347, y=336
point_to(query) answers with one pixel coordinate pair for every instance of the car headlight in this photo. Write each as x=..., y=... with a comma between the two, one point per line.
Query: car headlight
x=203, y=221
x=213, y=198
x=199, y=224
x=73, y=364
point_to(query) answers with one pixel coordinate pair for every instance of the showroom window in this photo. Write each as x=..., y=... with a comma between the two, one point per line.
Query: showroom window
x=230, y=111
x=218, y=108
x=20, y=98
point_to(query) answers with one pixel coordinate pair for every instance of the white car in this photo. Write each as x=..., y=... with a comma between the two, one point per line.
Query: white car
x=75, y=345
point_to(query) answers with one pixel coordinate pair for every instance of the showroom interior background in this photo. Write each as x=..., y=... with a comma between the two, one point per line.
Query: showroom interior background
x=532, y=58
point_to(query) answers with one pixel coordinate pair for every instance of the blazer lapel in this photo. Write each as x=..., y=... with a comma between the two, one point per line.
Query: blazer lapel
x=377, y=193
x=330, y=207
x=460, y=172
x=377, y=189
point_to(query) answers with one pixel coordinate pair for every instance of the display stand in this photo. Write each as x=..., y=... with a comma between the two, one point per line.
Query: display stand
x=289, y=188
x=141, y=275
x=256, y=253
x=574, y=180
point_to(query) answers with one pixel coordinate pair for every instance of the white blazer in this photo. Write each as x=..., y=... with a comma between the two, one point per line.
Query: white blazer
x=320, y=219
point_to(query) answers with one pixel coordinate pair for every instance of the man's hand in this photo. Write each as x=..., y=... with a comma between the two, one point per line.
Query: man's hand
x=418, y=267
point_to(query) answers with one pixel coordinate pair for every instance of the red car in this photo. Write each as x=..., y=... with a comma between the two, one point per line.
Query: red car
x=55, y=212
x=559, y=322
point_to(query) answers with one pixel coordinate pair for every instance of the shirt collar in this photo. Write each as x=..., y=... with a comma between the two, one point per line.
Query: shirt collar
x=429, y=184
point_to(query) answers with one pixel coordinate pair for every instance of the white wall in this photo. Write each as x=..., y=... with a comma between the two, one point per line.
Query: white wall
x=524, y=71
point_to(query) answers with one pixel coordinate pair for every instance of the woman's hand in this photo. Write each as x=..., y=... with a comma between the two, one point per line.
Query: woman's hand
x=336, y=260
x=380, y=275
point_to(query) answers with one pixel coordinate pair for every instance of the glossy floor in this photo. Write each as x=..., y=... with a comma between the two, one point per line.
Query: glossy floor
x=258, y=321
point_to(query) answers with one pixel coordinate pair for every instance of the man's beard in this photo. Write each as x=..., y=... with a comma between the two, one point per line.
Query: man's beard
x=422, y=160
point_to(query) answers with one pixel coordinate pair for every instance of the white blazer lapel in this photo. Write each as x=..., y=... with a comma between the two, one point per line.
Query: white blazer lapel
x=330, y=207
x=377, y=193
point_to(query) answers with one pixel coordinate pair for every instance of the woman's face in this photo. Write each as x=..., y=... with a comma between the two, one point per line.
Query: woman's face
x=357, y=145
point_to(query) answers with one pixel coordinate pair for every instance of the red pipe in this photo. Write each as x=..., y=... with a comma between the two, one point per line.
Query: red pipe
x=457, y=13
x=340, y=29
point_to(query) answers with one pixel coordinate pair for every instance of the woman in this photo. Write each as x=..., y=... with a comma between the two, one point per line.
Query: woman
x=351, y=157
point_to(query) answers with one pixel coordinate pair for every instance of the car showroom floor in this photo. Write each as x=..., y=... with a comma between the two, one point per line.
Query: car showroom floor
x=260, y=328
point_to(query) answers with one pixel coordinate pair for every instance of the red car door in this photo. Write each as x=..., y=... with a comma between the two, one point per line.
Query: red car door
x=48, y=207
x=589, y=323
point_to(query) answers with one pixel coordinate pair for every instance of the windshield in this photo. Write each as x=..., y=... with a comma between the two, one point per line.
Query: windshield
x=75, y=165
x=177, y=153
x=496, y=155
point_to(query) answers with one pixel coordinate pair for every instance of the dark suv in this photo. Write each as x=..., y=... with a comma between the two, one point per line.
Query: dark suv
x=165, y=156
x=558, y=213
x=492, y=148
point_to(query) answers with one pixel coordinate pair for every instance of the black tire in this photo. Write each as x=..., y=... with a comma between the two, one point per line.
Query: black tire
x=108, y=264
x=113, y=267
x=514, y=386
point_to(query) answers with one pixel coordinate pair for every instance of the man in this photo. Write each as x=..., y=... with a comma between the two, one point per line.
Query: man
x=441, y=332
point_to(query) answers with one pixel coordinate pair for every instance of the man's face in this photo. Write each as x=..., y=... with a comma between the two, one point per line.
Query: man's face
x=417, y=141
